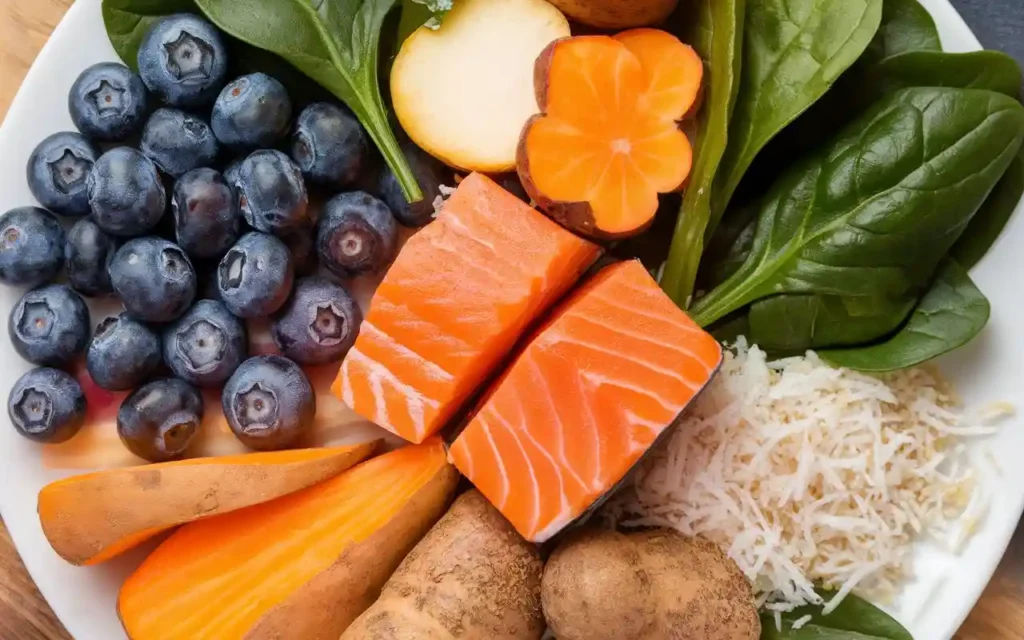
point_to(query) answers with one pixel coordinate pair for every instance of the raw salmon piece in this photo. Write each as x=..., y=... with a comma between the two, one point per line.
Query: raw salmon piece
x=585, y=399
x=459, y=296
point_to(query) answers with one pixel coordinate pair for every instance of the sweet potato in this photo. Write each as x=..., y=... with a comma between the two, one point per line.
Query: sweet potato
x=472, y=576
x=93, y=517
x=301, y=567
x=464, y=91
x=607, y=141
x=655, y=585
x=616, y=14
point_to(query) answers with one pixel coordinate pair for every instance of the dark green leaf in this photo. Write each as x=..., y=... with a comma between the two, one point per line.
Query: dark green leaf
x=854, y=619
x=793, y=51
x=988, y=223
x=414, y=15
x=128, y=20
x=948, y=317
x=336, y=43
x=906, y=26
x=990, y=70
x=729, y=247
x=715, y=29
x=873, y=212
x=800, y=322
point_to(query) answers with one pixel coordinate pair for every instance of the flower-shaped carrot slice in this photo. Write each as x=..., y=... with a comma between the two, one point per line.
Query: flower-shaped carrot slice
x=608, y=140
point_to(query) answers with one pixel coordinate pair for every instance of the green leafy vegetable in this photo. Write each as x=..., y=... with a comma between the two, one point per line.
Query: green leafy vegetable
x=874, y=212
x=793, y=51
x=948, y=317
x=990, y=220
x=906, y=26
x=336, y=43
x=990, y=70
x=854, y=619
x=127, y=21
x=715, y=30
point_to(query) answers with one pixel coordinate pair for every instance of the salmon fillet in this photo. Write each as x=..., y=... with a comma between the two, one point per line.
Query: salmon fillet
x=454, y=303
x=585, y=399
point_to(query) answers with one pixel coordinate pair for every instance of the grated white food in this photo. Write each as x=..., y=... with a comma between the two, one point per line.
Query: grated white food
x=446, y=192
x=806, y=474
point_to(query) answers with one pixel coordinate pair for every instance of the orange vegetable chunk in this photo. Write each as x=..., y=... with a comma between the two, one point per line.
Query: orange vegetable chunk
x=460, y=294
x=608, y=140
x=585, y=399
x=93, y=517
x=300, y=567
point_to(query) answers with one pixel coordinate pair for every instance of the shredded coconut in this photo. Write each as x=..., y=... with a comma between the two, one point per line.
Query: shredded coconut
x=445, y=193
x=810, y=475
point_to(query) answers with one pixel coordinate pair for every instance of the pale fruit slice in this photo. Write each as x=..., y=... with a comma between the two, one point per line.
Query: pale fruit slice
x=464, y=91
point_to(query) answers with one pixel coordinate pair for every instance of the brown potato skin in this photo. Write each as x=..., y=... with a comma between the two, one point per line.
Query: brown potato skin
x=647, y=585
x=330, y=602
x=616, y=14
x=472, y=577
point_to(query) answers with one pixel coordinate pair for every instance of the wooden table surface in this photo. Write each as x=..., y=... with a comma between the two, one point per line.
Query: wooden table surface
x=24, y=615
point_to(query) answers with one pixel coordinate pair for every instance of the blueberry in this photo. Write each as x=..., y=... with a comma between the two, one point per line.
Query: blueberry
x=205, y=210
x=319, y=324
x=302, y=245
x=329, y=145
x=126, y=193
x=269, y=403
x=159, y=420
x=252, y=111
x=87, y=255
x=356, y=234
x=255, y=276
x=31, y=246
x=58, y=170
x=108, y=102
x=206, y=345
x=47, y=405
x=271, y=193
x=430, y=173
x=178, y=142
x=154, y=278
x=123, y=353
x=182, y=59
x=231, y=172
x=49, y=326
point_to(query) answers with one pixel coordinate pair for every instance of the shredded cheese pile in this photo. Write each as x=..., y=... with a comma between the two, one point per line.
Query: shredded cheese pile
x=806, y=474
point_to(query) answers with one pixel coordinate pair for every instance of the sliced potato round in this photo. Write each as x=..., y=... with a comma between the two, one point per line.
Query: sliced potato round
x=464, y=91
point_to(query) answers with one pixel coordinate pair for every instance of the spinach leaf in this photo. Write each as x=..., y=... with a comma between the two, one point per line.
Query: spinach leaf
x=793, y=51
x=795, y=323
x=873, y=212
x=990, y=70
x=906, y=26
x=854, y=619
x=948, y=317
x=127, y=21
x=715, y=30
x=988, y=223
x=336, y=43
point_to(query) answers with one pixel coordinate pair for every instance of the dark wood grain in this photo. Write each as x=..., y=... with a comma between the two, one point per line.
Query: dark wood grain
x=24, y=615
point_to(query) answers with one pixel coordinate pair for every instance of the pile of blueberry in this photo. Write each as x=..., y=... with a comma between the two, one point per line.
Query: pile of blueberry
x=159, y=226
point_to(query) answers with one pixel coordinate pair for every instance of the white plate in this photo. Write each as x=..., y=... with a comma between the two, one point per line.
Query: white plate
x=991, y=368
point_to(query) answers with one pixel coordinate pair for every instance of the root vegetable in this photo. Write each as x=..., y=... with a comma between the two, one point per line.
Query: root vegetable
x=472, y=576
x=649, y=585
x=608, y=140
x=301, y=567
x=93, y=517
x=616, y=14
x=464, y=91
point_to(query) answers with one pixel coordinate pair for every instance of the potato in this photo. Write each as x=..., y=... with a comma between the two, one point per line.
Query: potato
x=617, y=14
x=464, y=91
x=648, y=585
x=471, y=577
x=93, y=517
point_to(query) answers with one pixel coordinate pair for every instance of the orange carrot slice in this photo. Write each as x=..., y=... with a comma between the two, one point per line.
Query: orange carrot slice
x=607, y=141
x=453, y=304
x=299, y=567
x=585, y=399
x=93, y=517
